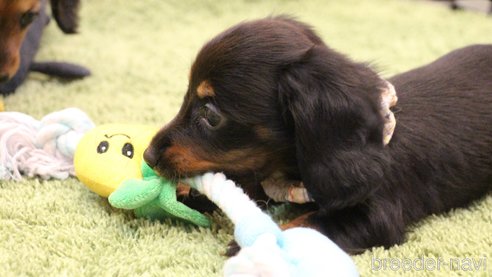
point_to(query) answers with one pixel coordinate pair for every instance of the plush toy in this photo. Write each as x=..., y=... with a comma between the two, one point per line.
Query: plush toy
x=266, y=249
x=109, y=161
x=111, y=153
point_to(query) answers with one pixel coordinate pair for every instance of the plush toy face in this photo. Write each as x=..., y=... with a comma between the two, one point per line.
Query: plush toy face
x=109, y=154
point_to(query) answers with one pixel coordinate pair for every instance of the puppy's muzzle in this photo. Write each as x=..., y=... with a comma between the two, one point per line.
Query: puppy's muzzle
x=151, y=157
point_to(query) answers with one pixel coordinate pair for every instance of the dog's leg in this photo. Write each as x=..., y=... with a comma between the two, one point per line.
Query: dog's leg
x=301, y=221
x=359, y=228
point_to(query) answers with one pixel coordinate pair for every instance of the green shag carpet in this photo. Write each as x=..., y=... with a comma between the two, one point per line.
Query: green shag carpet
x=140, y=53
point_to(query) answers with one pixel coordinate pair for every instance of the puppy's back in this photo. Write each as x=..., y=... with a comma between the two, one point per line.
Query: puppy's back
x=443, y=135
x=463, y=73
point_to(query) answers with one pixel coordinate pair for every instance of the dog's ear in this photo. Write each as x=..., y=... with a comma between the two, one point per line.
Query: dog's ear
x=331, y=100
x=65, y=13
x=332, y=104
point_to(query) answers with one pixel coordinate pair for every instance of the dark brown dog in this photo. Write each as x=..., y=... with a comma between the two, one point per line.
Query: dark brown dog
x=269, y=96
x=15, y=18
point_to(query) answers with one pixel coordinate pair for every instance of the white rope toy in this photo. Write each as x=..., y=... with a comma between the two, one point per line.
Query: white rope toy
x=42, y=148
x=266, y=250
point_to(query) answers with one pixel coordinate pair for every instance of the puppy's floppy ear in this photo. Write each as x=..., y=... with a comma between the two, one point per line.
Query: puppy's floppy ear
x=65, y=13
x=332, y=104
x=332, y=100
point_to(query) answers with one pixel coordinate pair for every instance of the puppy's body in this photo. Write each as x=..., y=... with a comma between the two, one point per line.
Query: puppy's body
x=442, y=147
x=439, y=157
x=443, y=136
x=269, y=95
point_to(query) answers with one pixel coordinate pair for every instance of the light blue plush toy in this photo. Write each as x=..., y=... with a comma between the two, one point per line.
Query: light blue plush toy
x=266, y=250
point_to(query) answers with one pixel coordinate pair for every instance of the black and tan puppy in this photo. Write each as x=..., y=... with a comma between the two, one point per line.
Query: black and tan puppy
x=21, y=26
x=15, y=18
x=269, y=96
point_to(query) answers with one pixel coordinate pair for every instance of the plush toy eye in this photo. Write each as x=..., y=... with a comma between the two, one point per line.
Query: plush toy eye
x=27, y=18
x=102, y=147
x=210, y=116
x=127, y=150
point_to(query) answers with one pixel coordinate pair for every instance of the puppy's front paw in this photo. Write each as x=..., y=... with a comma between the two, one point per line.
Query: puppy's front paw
x=194, y=199
x=232, y=249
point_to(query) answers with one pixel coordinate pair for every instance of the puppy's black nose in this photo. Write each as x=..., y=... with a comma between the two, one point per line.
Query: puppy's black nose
x=151, y=157
x=4, y=78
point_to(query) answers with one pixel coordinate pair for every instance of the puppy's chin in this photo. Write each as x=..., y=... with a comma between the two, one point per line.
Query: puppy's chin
x=167, y=173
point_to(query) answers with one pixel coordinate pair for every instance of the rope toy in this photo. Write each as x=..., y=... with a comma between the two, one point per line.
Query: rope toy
x=266, y=250
x=42, y=148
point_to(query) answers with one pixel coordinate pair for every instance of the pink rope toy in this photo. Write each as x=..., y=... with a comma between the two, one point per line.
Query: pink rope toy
x=42, y=148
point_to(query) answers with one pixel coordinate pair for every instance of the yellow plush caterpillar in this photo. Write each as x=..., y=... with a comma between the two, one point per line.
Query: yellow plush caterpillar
x=111, y=153
x=109, y=161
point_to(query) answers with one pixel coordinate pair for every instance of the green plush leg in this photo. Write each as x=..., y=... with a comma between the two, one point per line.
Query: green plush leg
x=133, y=193
x=152, y=211
x=169, y=203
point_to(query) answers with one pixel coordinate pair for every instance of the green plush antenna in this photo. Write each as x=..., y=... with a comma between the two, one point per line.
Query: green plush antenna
x=154, y=197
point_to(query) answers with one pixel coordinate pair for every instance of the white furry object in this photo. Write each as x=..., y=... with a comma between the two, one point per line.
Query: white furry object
x=42, y=148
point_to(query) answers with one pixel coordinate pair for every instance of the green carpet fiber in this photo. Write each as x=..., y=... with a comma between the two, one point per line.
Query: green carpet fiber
x=140, y=53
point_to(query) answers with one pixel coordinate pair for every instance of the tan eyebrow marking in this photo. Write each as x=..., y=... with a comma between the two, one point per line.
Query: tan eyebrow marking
x=205, y=89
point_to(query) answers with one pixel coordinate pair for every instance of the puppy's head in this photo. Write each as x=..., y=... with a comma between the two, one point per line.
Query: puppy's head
x=255, y=92
x=15, y=18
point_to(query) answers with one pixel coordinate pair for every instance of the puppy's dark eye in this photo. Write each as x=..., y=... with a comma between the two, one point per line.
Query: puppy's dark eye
x=210, y=116
x=27, y=18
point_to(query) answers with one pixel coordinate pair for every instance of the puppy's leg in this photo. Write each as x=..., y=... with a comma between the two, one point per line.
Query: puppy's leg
x=361, y=227
x=301, y=221
x=193, y=199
